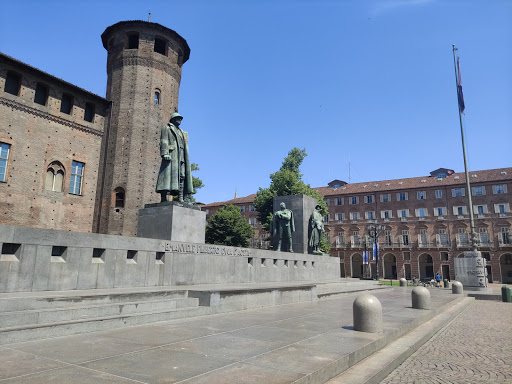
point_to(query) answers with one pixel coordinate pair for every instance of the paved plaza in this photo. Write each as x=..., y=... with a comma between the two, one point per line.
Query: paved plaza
x=475, y=348
x=295, y=343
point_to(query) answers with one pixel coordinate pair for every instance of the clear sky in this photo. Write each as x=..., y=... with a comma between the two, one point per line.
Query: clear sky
x=367, y=82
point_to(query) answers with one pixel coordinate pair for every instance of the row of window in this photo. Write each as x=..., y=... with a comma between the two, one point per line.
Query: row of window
x=159, y=46
x=251, y=208
x=462, y=237
x=54, y=174
x=13, y=87
x=422, y=212
x=55, y=177
x=420, y=195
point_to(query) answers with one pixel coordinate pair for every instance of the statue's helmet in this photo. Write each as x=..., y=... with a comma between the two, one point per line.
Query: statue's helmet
x=175, y=115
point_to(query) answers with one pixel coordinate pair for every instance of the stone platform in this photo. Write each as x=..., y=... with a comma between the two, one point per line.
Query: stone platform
x=305, y=342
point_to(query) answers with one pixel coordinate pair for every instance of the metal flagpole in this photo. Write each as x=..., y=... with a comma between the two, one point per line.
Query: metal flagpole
x=474, y=246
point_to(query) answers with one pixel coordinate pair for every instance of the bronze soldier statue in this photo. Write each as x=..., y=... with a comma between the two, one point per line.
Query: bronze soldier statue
x=175, y=177
x=317, y=230
x=284, y=224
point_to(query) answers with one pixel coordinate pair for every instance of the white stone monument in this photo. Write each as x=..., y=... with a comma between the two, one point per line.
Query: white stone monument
x=471, y=271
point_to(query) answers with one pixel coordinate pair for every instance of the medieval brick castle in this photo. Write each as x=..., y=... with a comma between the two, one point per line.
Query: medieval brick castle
x=76, y=161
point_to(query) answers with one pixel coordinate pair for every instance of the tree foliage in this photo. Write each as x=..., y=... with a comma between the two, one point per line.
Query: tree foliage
x=228, y=227
x=287, y=181
x=196, y=182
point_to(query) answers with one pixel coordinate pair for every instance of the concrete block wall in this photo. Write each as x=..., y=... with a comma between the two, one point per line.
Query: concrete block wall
x=35, y=259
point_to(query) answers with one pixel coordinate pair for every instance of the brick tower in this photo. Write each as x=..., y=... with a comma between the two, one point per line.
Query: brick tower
x=144, y=73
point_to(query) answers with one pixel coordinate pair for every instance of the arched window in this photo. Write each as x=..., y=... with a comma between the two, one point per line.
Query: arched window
x=156, y=99
x=54, y=177
x=119, y=197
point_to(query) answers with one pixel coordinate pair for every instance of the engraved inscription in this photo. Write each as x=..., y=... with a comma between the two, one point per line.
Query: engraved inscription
x=205, y=249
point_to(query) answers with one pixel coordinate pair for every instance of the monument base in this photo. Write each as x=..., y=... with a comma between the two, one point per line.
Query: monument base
x=471, y=271
x=173, y=221
x=479, y=289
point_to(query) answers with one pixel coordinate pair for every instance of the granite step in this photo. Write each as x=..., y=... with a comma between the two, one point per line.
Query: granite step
x=21, y=301
x=59, y=314
x=15, y=334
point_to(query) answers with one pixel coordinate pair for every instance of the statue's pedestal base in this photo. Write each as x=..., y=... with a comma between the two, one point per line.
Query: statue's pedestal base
x=471, y=271
x=173, y=221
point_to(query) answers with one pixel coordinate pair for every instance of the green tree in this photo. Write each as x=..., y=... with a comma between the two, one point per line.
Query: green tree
x=196, y=182
x=228, y=227
x=287, y=181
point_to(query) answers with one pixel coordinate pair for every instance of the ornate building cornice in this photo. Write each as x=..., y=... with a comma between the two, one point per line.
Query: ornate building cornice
x=49, y=117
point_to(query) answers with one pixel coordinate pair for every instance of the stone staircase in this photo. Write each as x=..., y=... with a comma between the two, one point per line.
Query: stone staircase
x=26, y=316
x=29, y=316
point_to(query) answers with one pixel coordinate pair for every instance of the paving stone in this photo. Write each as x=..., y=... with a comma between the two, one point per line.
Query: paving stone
x=16, y=363
x=159, y=365
x=72, y=374
x=244, y=373
x=475, y=348
x=81, y=348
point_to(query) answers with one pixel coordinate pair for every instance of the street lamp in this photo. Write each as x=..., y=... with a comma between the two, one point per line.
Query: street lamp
x=374, y=230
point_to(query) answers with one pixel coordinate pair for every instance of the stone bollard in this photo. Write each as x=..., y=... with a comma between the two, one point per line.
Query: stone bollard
x=457, y=287
x=367, y=313
x=420, y=298
x=446, y=283
x=403, y=282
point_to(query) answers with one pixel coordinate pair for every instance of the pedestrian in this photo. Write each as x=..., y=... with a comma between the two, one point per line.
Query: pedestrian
x=438, y=279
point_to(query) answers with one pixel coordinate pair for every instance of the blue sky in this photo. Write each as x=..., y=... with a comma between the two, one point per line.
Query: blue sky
x=366, y=82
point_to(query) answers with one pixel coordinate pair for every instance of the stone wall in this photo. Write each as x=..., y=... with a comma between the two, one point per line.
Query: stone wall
x=38, y=260
x=41, y=136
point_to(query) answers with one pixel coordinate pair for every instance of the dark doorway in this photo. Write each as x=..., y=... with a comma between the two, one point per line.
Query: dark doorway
x=489, y=273
x=342, y=269
x=446, y=272
x=407, y=269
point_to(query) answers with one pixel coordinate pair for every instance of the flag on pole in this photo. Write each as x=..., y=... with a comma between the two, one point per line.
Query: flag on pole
x=365, y=257
x=459, y=89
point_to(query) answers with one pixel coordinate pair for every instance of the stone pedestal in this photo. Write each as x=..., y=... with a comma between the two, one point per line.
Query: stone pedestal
x=302, y=207
x=172, y=221
x=471, y=271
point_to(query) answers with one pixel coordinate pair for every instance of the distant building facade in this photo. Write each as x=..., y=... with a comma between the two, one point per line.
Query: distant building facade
x=425, y=219
x=72, y=160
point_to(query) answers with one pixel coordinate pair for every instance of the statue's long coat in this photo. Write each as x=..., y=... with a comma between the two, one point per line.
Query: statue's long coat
x=317, y=228
x=168, y=177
